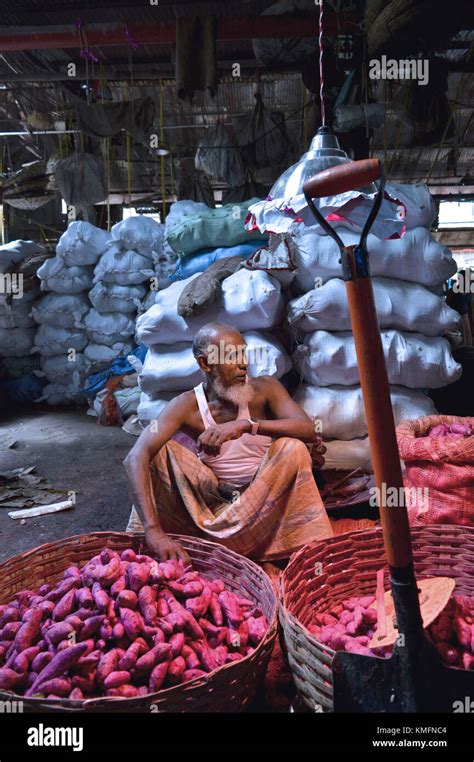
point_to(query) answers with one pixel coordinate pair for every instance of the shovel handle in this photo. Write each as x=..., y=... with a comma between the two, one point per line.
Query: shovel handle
x=342, y=178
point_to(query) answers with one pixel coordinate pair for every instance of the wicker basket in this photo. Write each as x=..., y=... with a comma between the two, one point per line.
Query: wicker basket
x=327, y=572
x=230, y=688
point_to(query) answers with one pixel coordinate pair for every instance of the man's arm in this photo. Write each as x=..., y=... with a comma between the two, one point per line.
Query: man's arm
x=290, y=419
x=137, y=467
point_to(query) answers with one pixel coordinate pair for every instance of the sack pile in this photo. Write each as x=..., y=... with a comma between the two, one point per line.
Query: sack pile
x=61, y=338
x=18, y=293
x=409, y=273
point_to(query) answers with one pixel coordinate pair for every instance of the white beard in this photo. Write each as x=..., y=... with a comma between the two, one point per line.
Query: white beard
x=239, y=394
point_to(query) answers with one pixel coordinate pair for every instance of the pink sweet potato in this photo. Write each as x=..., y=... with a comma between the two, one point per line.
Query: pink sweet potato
x=190, y=657
x=147, y=603
x=41, y=660
x=176, y=642
x=100, y=597
x=133, y=652
x=220, y=655
x=60, y=686
x=118, y=631
x=106, y=574
x=162, y=608
x=123, y=691
x=215, y=611
x=10, y=614
x=231, y=608
x=138, y=575
x=206, y=656
x=116, y=679
x=108, y=663
x=9, y=678
x=119, y=585
x=217, y=586
x=85, y=683
x=76, y=695
x=198, y=606
x=176, y=669
x=257, y=629
x=72, y=571
x=157, y=654
x=84, y=598
x=71, y=583
x=132, y=622
x=92, y=625
x=10, y=630
x=158, y=676
x=64, y=606
x=192, y=674
x=44, y=589
x=23, y=660
x=59, y=632
x=128, y=555
x=127, y=599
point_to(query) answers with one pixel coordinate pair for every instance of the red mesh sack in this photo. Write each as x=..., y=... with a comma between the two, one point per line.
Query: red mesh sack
x=439, y=472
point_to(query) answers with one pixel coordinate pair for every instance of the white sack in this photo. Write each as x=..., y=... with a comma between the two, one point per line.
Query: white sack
x=109, y=327
x=61, y=394
x=125, y=268
x=16, y=251
x=111, y=297
x=340, y=409
x=127, y=399
x=346, y=456
x=140, y=233
x=417, y=199
x=100, y=356
x=16, y=314
x=148, y=409
x=400, y=305
x=250, y=300
x=416, y=257
x=412, y=360
x=16, y=342
x=82, y=244
x=54, y=340
x=64, y=310
x=176, y=369
x=182, y=208
x=56, y=276
x=58, y=369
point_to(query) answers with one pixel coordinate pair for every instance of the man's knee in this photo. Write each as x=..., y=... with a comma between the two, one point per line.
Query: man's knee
x=290, y=445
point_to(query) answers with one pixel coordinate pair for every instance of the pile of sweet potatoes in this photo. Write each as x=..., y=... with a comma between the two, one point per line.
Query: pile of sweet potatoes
x=350, y=626
x=123, y=625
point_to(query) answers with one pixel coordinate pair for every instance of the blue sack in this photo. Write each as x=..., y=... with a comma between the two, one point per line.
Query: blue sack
x=204, y=258
x=97, y=381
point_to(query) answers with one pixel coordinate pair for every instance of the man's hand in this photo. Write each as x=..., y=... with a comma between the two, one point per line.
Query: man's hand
x=165, y=547
x=211, y=440
x=317, y=450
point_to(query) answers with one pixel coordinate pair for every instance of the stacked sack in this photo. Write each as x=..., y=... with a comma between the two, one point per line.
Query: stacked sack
x=408, y=275
x=133, y=263
x=62, y=339
x=250, y=299
x=17, y=298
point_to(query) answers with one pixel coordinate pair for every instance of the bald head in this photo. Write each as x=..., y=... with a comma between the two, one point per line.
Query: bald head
x=211, y=335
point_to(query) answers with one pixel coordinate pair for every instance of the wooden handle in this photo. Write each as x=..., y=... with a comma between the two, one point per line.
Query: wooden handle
x=344, y=177
x=380, y=422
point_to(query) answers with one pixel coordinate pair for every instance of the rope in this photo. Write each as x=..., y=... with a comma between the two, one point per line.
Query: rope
x=162, y=135
x=321, y=75
x=129, y=167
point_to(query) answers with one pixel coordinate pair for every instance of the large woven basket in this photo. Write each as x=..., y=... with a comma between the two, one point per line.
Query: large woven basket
x=327, y=572
x=228, y=689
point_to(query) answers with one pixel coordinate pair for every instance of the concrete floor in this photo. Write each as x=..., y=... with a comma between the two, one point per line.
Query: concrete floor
x=72, y=452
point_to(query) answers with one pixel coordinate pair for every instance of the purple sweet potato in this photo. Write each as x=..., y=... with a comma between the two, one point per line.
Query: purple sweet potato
x=59, y=632
x=92, y=625
x=9, y=678
x=192, y=674
x=41, y=660
x=76, y=695
x=59, y=664
x=60, y=686
x=84, y=598
x=118, y=631
x=198, y=606
x=147, y=603
x=23, y=660
x=158, y=676
x=58, y=592
x=100, y=597
x=215, y=611
x=123, y=691
x=108, y=663
x=116, y=679
x=257, y=629
x=119, y=585
x=191, y=658
x=10, y=614
x=193, y=589
x=176, y=642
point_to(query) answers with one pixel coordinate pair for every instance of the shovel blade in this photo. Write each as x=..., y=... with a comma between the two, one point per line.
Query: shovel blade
x=406, y=682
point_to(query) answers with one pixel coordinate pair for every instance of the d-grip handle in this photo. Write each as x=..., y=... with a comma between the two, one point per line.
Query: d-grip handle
x=342, y=178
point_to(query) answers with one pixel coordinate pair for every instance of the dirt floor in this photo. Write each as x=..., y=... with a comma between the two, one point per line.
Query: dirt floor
x=72, y=452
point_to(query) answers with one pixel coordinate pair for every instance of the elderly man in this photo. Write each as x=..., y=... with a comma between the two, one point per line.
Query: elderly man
x=250, y=486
